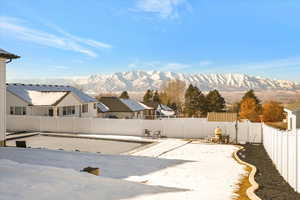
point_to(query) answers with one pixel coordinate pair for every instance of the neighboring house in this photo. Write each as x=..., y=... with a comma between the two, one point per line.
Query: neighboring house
x=221, y=117
x=49, y=100
x=5, y=57
x=122, y=108
x=160, y=110
x=293, y=115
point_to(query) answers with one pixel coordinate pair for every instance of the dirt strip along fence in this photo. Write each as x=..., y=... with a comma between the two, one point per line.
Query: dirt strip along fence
x=172, y=127
x=283, y=148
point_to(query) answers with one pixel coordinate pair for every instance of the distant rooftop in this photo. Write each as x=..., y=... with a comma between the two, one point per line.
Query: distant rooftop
x=116, y=104
x=5, y=54
x=24, y=91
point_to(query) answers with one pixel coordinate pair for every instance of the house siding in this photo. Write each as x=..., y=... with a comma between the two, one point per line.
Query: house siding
x=123, y=115
x=13, y=100
x=2, y=101
x=92, y=111
x=70, y=100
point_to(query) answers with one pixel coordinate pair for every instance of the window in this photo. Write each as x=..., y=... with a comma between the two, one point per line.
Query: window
x=18, y=110
x=69, y=110
x=85, y=108
x=12, y=110
x=24, y=110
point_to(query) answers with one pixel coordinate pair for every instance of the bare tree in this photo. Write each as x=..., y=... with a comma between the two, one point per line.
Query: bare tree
x=172, y=92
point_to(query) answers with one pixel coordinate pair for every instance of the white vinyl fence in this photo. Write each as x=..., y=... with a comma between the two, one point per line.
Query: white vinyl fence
x=172, y=127
x=283, y=148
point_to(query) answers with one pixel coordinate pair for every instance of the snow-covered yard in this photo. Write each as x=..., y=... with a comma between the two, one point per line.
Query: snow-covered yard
x=172, y=169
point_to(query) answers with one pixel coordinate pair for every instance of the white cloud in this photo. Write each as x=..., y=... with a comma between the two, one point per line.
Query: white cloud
x=205, y=63
x=14, y=27
x=163, y=8
x=293, y=62
x=259, y=67
x=174, y=66
x=157, y=65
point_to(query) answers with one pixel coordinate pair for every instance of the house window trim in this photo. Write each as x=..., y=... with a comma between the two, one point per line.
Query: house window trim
x=18, y=110
x=85, y=108
x=68, y=110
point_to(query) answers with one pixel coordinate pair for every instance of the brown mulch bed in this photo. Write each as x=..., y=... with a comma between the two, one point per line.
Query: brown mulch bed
x=272, y=186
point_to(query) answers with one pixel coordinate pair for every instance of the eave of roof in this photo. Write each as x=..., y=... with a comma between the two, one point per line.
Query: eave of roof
x=7, y=55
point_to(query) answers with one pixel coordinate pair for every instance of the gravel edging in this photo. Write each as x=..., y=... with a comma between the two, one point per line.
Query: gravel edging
x=254, y=185
x=272, y=186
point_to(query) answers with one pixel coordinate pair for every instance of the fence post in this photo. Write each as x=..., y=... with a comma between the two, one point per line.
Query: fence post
x=91, y=125
x=297, y=165
x=73, y=124
x=281, y=156
x=287, y=157
x=40, y=124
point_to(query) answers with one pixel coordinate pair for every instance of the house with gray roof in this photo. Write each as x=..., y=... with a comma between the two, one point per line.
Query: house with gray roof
x=160, y=110
x=123, y=108
x=293, y=115
x=49, y=100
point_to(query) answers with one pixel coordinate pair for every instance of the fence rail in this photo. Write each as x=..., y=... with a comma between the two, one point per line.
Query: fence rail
x=284, y=150
x=172, y=127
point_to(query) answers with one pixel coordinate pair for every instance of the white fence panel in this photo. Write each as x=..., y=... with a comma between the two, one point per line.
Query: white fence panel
x=255, y=133
x=173, y=127
x=283, y=148
x=22, y=123
x=49, y=124
x=82, y=125
x=153, y=125
x=292, y=160
x=100, y=126
x=65, y=124
x=285, y=155
x=298, y=160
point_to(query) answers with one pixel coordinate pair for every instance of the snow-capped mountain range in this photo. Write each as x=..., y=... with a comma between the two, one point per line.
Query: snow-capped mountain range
x=139, y=81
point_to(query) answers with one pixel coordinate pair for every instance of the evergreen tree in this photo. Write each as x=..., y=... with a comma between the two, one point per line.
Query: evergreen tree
x=156, y=97
x=148, y=97
x=215, y=102
x=195, y=101
x=190, y=101
x=202, y=103
x=124, y=95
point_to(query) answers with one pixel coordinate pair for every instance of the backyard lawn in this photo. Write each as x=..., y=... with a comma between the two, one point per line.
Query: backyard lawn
x=172, y=169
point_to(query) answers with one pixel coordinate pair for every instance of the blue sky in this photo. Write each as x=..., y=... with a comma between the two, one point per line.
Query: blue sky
x=78, y=38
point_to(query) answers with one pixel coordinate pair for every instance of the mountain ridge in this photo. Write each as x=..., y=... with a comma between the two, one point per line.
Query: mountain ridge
x=139, y=81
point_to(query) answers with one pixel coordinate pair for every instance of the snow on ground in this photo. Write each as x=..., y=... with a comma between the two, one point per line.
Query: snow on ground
x=203, y=171
x=212, y=174
x=34, y=182
x=111, y=166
